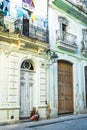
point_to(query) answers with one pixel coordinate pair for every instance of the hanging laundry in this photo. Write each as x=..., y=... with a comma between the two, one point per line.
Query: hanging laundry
x=6, y=7
x=33, y=17
x=28, y=4
x=45, y=22
x=22, y=12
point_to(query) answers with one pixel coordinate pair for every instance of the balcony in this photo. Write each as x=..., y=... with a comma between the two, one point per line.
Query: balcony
x=30, y=30
x=35, y=33
x=24, y=28
x=72, y=10
x=66, y=41
x=81, y=4
x=24, y=36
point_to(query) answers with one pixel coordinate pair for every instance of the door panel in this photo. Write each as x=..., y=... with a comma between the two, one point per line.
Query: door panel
x=65, y=87
x=61, y=98
x=26, y=93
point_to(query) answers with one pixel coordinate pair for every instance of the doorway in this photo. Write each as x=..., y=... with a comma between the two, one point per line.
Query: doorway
x=65, y=87
x=26, y=88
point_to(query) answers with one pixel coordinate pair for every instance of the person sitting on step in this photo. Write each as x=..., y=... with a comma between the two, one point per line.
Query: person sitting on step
x=34, y=116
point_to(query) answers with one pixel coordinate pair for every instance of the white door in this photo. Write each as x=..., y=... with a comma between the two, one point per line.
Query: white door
x=26, y=93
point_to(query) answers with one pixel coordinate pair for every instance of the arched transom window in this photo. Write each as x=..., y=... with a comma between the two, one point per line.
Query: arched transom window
x=27, y=65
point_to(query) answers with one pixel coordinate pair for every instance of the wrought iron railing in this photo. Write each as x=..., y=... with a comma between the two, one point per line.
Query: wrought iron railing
x=30, y=31
x=84, y=44
x=38, y=33
x=1, y=18
x=66, y=38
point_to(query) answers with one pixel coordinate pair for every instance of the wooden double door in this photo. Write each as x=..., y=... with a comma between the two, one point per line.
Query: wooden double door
x=65, y=87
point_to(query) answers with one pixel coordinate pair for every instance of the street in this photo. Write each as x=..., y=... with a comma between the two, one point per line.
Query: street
x=76, y=124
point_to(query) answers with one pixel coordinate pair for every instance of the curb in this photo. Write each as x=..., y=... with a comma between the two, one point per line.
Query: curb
x=57, y=120
x=45, y=122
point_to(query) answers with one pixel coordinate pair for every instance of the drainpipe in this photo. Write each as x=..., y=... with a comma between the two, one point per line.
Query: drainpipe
x=48, y=72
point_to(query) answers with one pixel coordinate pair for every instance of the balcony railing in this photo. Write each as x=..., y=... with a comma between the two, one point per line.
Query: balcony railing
x=1, y=18
x=36, y=33
x=81, y=4
x=84, y=45
x=66, y=39
x=30, y=30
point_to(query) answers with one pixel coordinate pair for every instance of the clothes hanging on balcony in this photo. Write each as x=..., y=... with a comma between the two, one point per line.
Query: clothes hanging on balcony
x=1, y=5
x=28, y=4
x=6, y=7
x=22, y=12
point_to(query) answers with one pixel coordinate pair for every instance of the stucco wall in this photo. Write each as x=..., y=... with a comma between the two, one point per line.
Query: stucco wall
x=77, y=59
x=10, y=84
x=74, y=26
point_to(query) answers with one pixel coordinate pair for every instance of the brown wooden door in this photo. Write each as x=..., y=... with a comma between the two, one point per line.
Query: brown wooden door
x=65, y=87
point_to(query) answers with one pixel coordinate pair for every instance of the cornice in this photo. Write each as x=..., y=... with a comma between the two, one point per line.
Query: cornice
x=71, y=10
x=15, y=41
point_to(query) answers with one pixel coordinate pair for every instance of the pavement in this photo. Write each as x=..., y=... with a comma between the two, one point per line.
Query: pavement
x=48, y=121
x=56, y=120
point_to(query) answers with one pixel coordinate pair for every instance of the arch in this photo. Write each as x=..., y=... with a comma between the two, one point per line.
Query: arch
x=67, y=60
x=27, y=64
x=31, y=59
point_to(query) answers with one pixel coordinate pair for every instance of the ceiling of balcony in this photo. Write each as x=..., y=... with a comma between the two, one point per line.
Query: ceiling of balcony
x=71, y=10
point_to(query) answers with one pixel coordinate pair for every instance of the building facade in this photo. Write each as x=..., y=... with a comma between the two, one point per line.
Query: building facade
x=68, y=39
x=23, y=58
x=28, y=76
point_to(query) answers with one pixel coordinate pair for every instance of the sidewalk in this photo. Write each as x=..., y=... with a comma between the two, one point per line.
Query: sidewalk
x=56, y=120
x=47, y=121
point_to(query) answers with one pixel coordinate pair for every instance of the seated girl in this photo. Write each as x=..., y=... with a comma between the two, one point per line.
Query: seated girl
x=34, y=116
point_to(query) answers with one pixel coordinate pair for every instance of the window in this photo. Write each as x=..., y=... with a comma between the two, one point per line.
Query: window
x=27, y=65
x=63, y=20
x=63, y=23
x=84, y=32
x=63, y=27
